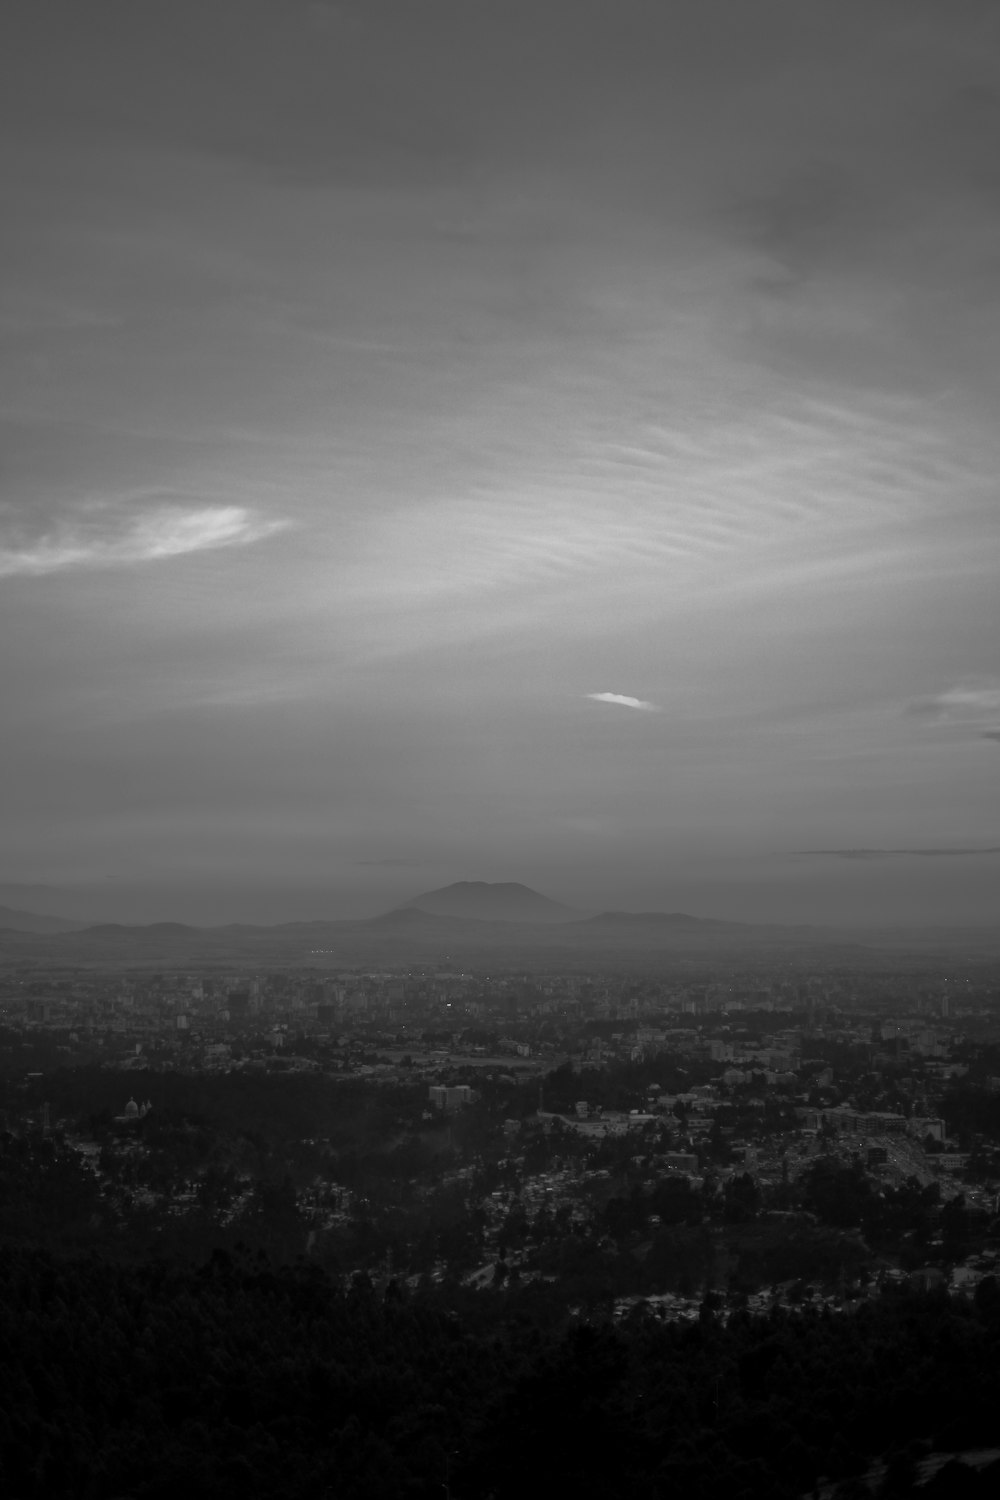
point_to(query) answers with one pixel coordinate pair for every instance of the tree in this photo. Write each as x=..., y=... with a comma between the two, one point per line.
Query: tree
x=955, y=1229
x=837, y=1194
x=742, y=1199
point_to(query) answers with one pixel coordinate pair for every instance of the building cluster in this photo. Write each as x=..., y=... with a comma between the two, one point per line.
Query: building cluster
x=714, y=1082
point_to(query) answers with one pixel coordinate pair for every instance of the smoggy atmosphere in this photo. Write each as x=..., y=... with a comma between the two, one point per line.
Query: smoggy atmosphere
x=548, y=442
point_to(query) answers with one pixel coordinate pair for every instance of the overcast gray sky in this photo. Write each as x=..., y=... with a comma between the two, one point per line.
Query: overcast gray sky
x=549, y=441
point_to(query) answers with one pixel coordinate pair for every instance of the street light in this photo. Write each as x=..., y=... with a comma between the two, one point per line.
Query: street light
x=446, y=1487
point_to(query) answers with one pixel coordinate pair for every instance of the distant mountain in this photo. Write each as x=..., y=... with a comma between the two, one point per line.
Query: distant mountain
x=32, y=921
x=484, y=926
x=675, y=919
x=140, y=931
x=405, y=917
x=504, y=901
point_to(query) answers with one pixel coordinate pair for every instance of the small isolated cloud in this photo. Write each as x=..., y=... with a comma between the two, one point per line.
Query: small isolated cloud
x=102, y=536
x=624, y=701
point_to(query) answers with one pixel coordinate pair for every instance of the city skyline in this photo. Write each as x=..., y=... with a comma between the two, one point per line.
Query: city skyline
x=549, y=443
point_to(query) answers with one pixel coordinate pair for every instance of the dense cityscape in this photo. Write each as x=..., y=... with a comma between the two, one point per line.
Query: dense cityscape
x=542, y=1103
x=584, y=1151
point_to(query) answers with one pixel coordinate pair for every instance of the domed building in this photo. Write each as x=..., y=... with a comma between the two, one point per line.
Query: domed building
x=133, y=1112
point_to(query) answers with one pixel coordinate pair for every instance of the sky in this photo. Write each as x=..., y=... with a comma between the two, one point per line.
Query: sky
x=539, y=440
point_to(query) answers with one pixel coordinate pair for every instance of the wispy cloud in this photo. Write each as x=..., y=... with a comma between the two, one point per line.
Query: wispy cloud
x=698, y=502
x=111, y=536
x=624, y=701
x=897, y=853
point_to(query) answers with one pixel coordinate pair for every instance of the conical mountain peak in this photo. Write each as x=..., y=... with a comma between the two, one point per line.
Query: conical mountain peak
x=485, y=901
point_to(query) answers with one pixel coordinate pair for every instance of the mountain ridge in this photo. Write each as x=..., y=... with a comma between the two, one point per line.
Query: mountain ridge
x=659, y=919
x=14, y=920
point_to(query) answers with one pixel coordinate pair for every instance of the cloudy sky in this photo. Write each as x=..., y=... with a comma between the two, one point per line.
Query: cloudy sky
x=543, y=440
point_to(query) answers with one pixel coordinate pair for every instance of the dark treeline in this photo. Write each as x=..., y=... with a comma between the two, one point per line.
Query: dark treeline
x=272, y=1109
x=240, y=1379
x=193, y=1325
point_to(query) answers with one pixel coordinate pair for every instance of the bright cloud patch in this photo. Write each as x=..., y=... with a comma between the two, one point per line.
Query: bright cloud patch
x=624, y=701
x=109, y=538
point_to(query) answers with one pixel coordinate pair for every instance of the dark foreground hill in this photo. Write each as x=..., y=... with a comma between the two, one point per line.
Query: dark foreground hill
x=237, y=1379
